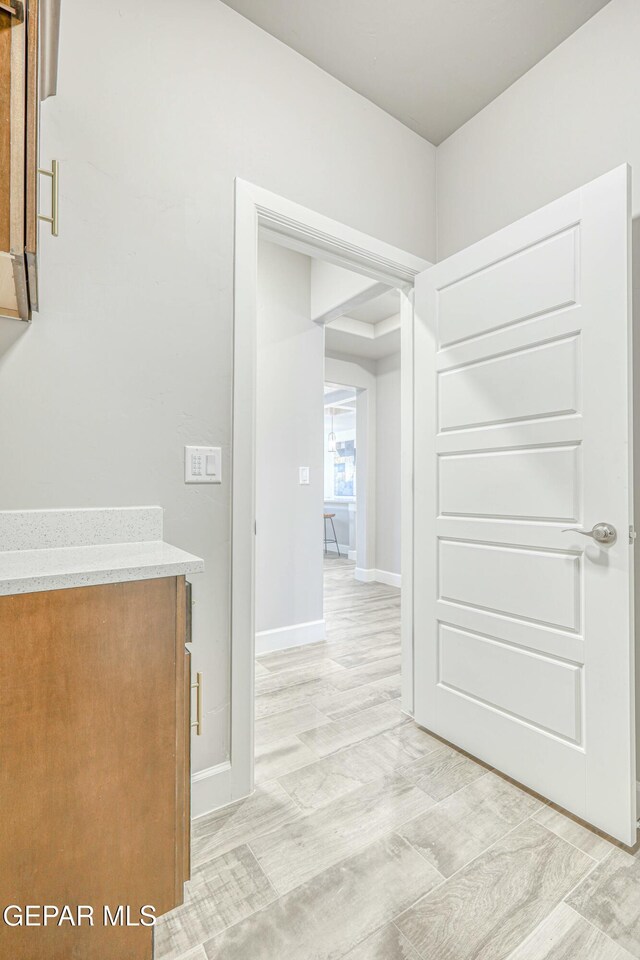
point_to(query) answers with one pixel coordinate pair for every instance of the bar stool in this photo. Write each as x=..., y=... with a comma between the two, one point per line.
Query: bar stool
x=334, y=539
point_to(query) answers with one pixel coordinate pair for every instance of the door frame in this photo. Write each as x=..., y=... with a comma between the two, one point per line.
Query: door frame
x=260, y=213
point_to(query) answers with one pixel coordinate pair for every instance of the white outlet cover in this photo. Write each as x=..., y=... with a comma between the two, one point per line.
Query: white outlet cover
x=202, y=465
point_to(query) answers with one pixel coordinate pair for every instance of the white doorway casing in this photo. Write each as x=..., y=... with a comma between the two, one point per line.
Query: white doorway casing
x=259, y=212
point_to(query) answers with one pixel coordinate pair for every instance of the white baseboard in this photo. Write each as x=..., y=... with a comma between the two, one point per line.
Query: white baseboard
x=294, y=636
x=378, y=576
x=351, y=555
x=391, y=579
x=210, y=789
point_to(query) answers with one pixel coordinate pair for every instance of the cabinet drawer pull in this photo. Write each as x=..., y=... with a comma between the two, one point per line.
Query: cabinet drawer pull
x=53, y=174
x=197, y=686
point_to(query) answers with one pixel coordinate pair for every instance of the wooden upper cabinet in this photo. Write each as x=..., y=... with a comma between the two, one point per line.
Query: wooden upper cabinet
x=21, y=48
x=32, y=124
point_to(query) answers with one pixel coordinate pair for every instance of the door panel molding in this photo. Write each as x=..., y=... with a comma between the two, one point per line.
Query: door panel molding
x=524, y=640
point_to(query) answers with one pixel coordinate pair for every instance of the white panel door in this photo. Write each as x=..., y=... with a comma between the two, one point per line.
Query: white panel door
x=523, y=628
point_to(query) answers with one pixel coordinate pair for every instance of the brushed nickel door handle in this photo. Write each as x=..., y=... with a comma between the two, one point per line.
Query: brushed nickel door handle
x=601, y=532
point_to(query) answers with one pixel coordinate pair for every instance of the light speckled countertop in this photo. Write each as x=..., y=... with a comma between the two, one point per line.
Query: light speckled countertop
x=56, y=549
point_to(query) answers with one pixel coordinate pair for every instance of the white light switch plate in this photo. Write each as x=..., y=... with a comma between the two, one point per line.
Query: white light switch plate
x=304, y=475
x=202, y=465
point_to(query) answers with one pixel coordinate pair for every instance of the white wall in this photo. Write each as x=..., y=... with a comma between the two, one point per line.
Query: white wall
x=289, y=431
x=572, y=117
x=157, y=111
x=388, y=467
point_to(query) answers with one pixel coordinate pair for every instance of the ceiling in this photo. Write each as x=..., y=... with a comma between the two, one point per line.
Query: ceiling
x=371, y=330
x=377, y=309
x=350, y=344
x=337, y=395
x=432, y=64
x=375, y=332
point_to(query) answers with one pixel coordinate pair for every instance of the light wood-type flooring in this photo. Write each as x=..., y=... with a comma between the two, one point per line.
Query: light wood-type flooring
x=369, y=839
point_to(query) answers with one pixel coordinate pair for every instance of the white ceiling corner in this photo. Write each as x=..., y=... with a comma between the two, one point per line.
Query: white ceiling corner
x=432, y=64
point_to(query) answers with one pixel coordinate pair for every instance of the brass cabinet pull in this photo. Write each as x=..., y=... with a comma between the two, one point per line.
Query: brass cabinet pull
x=53, y=174
x=197, y=686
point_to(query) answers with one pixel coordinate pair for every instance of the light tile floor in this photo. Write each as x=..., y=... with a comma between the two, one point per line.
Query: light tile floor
x=368, y=839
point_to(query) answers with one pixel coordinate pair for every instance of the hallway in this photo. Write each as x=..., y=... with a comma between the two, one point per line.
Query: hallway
x=368, y=839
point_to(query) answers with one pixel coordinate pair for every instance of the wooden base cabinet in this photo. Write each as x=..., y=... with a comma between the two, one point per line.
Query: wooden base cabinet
x=94, y=771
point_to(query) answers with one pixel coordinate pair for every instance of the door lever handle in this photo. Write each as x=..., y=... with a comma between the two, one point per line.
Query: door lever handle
x=601, y=532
